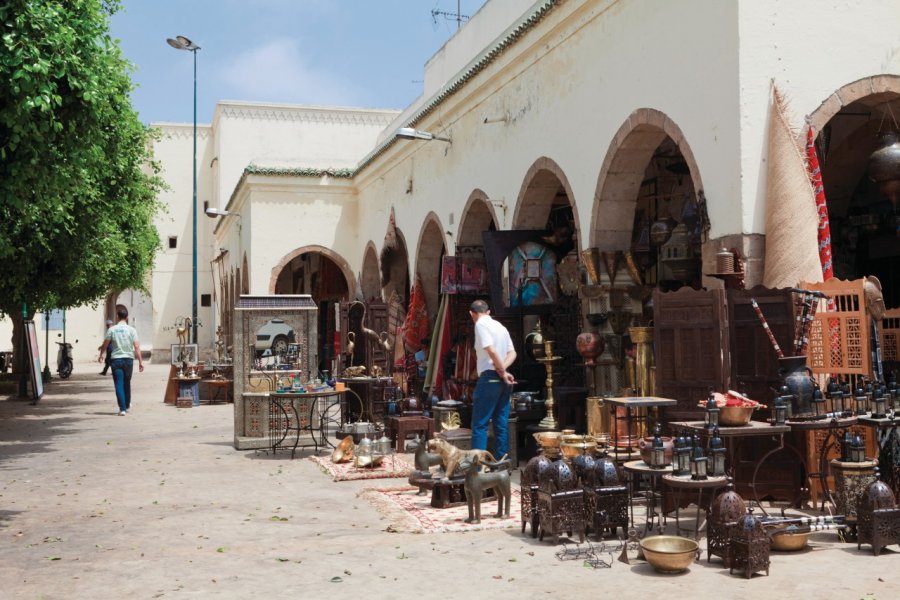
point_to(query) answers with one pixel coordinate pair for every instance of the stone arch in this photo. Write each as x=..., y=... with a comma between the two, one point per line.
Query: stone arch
x=477, y=216
x=369, y=280
x=430, y=249
x=336, y=258
x=622, y=173
x=540, y=186
x=868, y=87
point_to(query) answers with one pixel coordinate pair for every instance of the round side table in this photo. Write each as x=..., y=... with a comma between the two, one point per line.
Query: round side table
x=680, y=484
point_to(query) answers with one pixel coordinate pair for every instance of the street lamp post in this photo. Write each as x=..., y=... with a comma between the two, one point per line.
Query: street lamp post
x=182, y=43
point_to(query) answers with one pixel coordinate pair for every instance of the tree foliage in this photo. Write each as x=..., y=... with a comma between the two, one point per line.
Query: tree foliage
x=78, y=188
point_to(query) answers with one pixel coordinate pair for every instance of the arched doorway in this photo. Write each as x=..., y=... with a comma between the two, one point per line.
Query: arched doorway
x=477, y=217
x=430, y=252
x=395, y=266
x=864, y=218
x=326, y=276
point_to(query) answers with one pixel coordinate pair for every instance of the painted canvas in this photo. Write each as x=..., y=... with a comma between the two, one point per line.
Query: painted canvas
x=532, y=275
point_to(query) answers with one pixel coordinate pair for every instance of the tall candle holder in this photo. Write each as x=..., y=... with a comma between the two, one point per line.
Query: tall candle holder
x=549, y=421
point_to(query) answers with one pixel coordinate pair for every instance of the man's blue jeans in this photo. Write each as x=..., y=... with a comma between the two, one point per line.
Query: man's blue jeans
x=121, y=372
x=491, y=404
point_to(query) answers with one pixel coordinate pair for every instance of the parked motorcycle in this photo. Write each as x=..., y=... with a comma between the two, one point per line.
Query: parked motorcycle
x=64, y=360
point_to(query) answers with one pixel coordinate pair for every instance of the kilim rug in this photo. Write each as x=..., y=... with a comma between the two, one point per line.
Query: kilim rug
x=408, y=513
x=392, y=466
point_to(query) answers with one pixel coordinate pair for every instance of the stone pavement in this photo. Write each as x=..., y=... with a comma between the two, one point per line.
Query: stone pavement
x=157, y=504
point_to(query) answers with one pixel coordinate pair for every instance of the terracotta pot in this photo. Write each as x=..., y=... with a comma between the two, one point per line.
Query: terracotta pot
x=668, y=445
x=589, y=346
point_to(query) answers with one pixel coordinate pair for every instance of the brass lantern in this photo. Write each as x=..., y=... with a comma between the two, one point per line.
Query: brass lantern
x=716, y=455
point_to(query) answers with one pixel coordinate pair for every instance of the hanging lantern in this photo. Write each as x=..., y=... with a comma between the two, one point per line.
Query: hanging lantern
x=712, y=413
x=716, y=455
x=682, y=463
x=884, y=166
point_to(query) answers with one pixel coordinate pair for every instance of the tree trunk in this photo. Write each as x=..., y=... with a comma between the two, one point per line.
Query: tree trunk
x=20, y=348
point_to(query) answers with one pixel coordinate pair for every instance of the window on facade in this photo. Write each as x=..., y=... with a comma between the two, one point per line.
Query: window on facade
x=173, y=242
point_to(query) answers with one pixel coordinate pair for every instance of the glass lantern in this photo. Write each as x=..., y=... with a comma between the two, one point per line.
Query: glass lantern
x=699, y=463
x=716, y=455
x=657, y=451
x=857, y=449
x=712, y=413
x=788, y=400
x=846, y=444
x=779, y=412
x=861, y=403
x=818, y=402
x=879, y=408
x=682, y=463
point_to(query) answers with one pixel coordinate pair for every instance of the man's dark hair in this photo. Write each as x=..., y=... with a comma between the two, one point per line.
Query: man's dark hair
x=121, y=312
x=479, y=307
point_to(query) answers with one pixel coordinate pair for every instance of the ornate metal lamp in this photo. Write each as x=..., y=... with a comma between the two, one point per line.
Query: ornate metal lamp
x=818, y=403
x=682, y=466
x=857, y=449
x=861, y=402
x=879, y=406
x=657, y=451
x=699, y=463
x=846, y=443
x=788, y=399
x=779, y=412
x=716, y=455
x=712, y=413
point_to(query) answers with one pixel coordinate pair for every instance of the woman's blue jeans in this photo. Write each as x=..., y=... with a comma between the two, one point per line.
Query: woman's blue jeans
x=491, y=405
x=121, y=372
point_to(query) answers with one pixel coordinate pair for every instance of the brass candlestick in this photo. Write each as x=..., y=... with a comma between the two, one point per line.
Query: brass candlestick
x=549, y=421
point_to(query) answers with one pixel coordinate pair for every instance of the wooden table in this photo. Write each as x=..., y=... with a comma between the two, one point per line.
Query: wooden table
x=637, y=468
x=218, y=384
x=631, y=403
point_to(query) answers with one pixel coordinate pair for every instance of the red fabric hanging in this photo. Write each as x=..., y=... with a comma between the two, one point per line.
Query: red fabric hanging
x=415, y=328
x=815, y=177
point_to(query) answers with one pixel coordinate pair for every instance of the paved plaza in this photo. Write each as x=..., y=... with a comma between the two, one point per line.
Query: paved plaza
x=157, y=504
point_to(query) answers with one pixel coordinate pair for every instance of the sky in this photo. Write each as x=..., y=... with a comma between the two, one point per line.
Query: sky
x=365, y=53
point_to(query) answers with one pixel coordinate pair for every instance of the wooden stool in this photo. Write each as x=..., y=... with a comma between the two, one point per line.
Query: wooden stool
x=400, y=427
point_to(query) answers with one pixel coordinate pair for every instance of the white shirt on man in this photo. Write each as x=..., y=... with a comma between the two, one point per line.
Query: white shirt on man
x=489, y=332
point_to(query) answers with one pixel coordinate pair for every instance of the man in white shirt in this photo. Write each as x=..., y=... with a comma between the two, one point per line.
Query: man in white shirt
x=494, y=353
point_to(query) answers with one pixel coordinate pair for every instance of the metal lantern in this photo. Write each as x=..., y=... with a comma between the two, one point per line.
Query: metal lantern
x=846, y=443
x=699, y=463
x=788, y=400
x=879, y=408
x=779, y=412
x=682, y=463
x=857, y=449
x=712, y=413
x=657, y=451
x=818, y=403
x=870, y=390
x=861, y=403
x=716, y=455
x=383, y=445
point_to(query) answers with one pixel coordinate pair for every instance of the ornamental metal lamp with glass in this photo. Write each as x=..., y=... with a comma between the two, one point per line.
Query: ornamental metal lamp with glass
x=716, y=455
x=699, y=463
x=857, y=449
x=788, y=398
x=657, y=451
x=818, y=402
x=712, y=413
x=682, y=462
x=779, y=412
x=879, y=406
x=861, y=402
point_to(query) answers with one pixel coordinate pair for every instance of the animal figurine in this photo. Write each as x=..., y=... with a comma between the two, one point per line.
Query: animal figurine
x=475, y=484
x=451, y=456
x=424, y=460
x=351, y=345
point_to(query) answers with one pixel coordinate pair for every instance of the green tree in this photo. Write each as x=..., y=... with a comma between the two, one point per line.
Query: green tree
x=78, y=187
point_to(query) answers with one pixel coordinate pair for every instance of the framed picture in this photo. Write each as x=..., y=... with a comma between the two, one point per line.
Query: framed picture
x=34, y=358
x=188, y=353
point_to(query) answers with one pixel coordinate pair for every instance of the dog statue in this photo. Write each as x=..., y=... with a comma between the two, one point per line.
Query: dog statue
x=451, y=456
x=424, y=460
x=475, y=484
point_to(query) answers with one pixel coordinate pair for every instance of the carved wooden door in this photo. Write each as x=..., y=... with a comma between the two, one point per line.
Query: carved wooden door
x=692, y=350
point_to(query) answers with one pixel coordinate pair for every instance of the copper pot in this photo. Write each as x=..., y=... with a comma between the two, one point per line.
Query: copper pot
x=646, y=443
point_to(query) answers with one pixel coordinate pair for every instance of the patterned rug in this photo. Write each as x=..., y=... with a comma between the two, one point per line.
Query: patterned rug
x=408, y=513
x=392, y=466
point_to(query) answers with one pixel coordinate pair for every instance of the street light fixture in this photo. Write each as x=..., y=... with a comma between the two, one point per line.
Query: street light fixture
x=182, y=43
x=212, y=213
x=408, y=133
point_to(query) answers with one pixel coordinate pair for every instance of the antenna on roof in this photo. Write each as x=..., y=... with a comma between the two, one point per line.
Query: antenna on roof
x=450, y=16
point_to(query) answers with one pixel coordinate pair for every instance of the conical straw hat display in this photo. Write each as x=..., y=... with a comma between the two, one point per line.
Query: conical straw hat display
x=792, y=253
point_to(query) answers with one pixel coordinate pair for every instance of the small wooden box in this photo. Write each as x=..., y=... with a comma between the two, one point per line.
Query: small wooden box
x=184, y=402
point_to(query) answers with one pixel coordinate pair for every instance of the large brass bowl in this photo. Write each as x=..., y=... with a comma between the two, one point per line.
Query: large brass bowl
x=669, y=553
x=548, y=439
x=734, y=416
x=576, y=445
x=790, y=542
